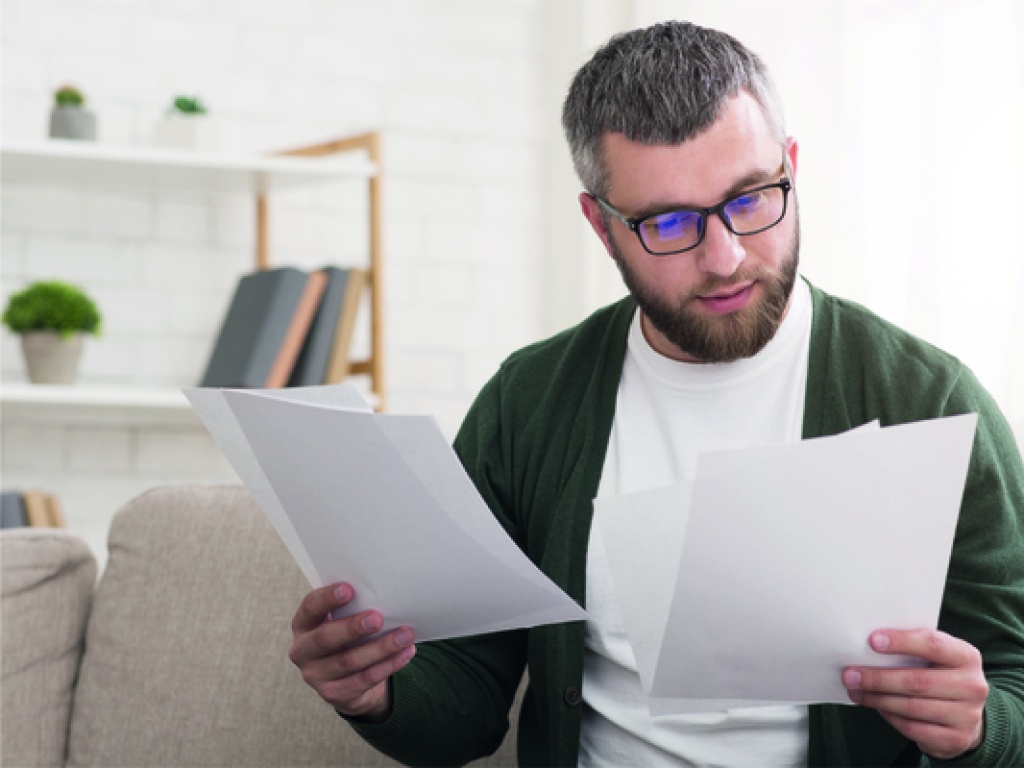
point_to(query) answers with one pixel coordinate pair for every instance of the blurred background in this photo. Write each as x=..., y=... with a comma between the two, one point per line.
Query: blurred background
x=911, y=182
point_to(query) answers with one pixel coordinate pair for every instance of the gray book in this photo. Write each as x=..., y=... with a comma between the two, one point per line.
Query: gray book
x=311, y=367
x=264, y=329
x=12, y=510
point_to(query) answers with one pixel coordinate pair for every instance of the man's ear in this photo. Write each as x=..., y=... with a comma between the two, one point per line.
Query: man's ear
x=792, y=150
x=592, y=212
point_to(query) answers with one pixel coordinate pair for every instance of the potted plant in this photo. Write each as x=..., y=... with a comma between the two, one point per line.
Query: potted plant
x=188, y=105
x=52, y=319
x=187, y=125
x=69, y=119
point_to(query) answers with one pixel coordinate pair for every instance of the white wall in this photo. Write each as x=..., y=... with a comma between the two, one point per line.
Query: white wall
x=485, y=247
x=456, y=89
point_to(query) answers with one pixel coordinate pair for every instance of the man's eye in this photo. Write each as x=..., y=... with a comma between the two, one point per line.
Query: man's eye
x=745, y=203
x=672, y=225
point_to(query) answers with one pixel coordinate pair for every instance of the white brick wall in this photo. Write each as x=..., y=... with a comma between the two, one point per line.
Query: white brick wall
x=456, y=89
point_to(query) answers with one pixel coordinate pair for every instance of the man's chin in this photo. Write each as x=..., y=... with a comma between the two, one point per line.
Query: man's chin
x=719, y=338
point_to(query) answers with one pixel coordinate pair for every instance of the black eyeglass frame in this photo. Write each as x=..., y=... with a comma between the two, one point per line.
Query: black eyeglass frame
x=705, y=213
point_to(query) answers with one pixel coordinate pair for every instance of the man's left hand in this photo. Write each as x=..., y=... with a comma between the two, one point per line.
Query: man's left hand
x=940, y=706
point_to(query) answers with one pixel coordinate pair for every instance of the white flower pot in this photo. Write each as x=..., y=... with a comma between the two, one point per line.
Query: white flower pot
x=51, y=359
x=70, y=122
x=195, y=132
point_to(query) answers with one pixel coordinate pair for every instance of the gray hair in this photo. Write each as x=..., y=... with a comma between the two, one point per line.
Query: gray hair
x=661, y=85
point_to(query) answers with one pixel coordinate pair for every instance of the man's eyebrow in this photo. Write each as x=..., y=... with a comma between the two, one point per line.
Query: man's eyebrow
x=752, y=179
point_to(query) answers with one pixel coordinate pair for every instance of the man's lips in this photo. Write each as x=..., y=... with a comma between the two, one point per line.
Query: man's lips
x=729, y=299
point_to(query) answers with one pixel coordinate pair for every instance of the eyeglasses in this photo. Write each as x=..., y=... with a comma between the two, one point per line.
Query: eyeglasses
x=748, y=213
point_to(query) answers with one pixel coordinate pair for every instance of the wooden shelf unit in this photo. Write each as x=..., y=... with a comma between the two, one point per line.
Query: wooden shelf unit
x=77, y=164
x=373, y=365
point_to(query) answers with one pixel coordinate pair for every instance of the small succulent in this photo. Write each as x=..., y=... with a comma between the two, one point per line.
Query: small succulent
x=51, y=305
x=189, y=105
x=68, y=96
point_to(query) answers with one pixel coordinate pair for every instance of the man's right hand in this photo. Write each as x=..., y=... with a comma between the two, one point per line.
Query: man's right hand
x=349, y=672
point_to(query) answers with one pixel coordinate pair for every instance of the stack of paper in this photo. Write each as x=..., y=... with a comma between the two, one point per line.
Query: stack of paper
x=382, y=502
x=763, y=578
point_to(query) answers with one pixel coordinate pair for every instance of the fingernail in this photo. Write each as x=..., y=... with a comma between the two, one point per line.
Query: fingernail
x=371, y=622
x=851, y=678
x=341, y=593
x=403, y=637
x=880, y=642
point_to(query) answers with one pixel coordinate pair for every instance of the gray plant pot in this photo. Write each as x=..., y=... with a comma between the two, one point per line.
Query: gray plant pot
x=72, y=123
x=51, y=359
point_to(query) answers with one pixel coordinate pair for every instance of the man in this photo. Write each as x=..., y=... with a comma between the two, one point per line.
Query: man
x=690, y=180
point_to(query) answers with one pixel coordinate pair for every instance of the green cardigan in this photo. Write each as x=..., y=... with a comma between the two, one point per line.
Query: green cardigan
x=534, y=443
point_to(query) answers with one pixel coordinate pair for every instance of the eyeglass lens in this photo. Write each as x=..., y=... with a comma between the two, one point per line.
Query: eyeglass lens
x=744, y=214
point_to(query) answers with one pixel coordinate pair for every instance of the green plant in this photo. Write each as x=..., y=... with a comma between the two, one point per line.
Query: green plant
x=52, y=306
x=189, y=105
x=68, y=96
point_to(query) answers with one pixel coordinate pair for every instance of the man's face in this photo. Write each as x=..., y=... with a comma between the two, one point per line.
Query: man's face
x=724, y=299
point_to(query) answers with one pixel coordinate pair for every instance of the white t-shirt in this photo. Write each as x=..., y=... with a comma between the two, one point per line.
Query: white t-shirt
x=666, y=412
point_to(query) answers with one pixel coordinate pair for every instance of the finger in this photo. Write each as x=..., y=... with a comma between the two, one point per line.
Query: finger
x=355, y=660
x=942, y=712
x=934, y=740
x=935, y=647
x=351, y=700
x=331, y=637
x=352, y=680
x=318, y=603
x=917, y=682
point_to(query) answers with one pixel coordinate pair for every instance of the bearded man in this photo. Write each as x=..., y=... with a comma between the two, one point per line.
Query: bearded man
x=691, y=184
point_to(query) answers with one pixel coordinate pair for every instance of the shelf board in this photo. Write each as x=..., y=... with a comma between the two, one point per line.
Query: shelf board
x=93, y=403
x=100, y=404
x=63, y=162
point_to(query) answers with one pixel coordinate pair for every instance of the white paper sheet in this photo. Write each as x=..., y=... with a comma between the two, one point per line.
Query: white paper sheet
x=382, y=502
x=789, y=557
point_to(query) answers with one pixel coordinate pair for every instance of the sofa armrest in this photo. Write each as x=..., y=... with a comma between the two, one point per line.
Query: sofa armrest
x=47, y=587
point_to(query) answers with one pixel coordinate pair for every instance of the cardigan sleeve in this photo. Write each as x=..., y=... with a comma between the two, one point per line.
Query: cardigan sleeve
x=864, y=368
x=451, y=704
x=984, y=599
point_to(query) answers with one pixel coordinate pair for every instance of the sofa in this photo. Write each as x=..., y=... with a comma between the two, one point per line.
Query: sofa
x=176, y=656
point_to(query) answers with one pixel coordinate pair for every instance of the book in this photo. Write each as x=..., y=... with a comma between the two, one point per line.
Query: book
x=56, y=512
x=298, y=329
x=37, y=509
x=12, y=510
x=338, y=366
x=311, y=367
x=264, y=328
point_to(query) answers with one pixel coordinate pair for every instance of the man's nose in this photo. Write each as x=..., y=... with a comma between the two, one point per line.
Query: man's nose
x=721, y=253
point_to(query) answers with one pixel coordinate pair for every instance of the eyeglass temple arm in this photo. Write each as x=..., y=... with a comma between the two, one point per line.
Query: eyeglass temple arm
x=633, y=226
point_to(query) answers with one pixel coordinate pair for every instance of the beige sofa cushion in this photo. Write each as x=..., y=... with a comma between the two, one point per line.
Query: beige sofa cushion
x=187, y=660
x=48, y=579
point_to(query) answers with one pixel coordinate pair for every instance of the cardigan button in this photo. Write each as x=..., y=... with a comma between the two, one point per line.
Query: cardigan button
x=572, y=696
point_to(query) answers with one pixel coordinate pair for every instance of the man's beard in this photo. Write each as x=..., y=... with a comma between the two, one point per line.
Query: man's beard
x=721, y=338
